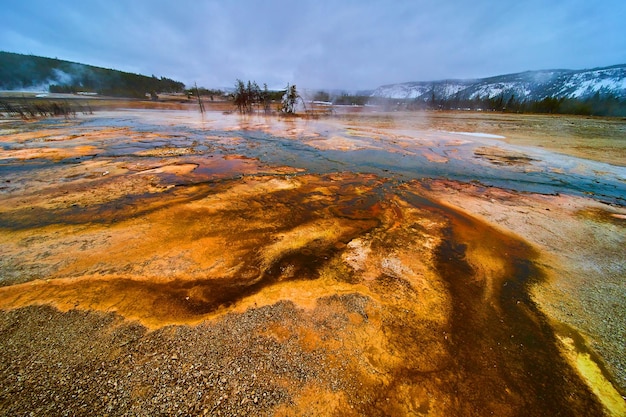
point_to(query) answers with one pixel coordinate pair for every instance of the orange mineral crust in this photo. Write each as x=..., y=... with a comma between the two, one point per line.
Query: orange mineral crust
x=151, y=272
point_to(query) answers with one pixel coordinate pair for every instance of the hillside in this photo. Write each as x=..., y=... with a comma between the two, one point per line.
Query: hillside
x=28, y=72
x=529, y=85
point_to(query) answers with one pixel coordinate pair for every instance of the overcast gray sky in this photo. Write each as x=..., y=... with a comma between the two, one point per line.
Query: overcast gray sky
x=319, y=44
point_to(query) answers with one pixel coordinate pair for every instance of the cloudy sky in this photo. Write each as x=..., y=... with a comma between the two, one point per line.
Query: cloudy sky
x=340, y=44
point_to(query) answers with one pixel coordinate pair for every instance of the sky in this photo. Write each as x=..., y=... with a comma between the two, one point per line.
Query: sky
x=319, y=44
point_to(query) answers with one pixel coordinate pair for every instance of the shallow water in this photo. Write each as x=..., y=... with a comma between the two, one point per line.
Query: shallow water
x=411, y=155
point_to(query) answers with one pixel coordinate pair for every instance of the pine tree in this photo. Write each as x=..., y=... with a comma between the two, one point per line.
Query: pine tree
x=290, y=100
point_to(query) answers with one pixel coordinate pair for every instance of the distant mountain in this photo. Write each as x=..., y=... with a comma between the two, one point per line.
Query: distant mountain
x=529, y=85
x=34, y=73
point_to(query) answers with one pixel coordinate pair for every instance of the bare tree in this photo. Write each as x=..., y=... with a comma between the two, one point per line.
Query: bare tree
x=200, y=103
x=265, y=99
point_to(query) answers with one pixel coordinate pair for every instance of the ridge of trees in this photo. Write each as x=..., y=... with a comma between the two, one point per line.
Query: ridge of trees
x=597, y=105
x=24, y=71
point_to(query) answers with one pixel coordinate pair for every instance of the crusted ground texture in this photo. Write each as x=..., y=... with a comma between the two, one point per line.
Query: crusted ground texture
x=162, y=262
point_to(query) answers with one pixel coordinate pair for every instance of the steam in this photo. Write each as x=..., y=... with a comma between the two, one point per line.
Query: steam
x=60, y=77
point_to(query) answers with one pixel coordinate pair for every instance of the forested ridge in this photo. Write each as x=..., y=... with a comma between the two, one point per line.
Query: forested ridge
x=19, y=71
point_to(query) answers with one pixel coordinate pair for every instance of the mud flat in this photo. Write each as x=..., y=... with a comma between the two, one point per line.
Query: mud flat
x=160, y=262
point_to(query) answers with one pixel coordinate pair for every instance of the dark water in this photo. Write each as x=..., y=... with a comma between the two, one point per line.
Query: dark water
x=504, y=344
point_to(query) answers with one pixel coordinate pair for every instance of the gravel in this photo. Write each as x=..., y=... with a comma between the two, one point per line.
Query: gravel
x=90, y=363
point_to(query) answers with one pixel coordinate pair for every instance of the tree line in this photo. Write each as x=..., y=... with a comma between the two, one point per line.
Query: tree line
x=249, y=97
x=597, y=105
x=342, y=98
x=119, y=84
x=19, y=71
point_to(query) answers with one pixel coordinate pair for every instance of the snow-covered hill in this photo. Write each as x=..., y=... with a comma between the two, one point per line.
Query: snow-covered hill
x=530, y=85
